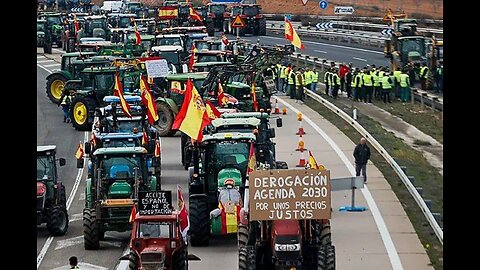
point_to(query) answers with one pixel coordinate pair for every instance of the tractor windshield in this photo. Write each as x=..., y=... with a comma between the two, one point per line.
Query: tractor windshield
x=217, y=9
x=45, y=167
x=232, y=153
x=235, y=11
x=156, y=229
x=210, y=58
x=98, y=23
x=171, y=57
x=124, y=22
x=250, y=10
x=40, y=27
x=52, y=20
x=173, y=41
x=413, y=45
x=119, y=167
x=128, y=126
x=104, y=82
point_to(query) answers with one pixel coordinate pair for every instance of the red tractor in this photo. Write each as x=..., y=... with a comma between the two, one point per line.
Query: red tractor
x=255, y=23
x=156, y=243
x=216, y=14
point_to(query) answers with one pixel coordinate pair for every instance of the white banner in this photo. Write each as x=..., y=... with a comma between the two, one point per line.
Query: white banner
x=343, y=10
x=157, y=68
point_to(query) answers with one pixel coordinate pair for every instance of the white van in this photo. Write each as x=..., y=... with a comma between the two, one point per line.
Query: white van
x=111, y=6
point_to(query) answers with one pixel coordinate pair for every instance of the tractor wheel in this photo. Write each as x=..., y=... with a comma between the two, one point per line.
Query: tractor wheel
x=242, y=258
x=242, y=235
x=55, y=85
x=57, y=222
x=242, y=31
x=62, y=196
x=324, y=234
x=132, y=261
x=71, y=45
x=47, y=48
x=251, y=258
x=199, y=221
x=91, y=237
x=180, y=260
x=165, y=120
x=80, y=110
x=326, y=257
x=59, y=44
x=211, y=28
x=262, y=27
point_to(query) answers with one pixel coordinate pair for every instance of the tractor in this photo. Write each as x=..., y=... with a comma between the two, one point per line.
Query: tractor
x=117, y=176
x=95, y=26
x=216, y=14
x=51, y=195
x=255, y=23
x=94, y=85
x=44, y=36
x=71, y=66
x=55, y=25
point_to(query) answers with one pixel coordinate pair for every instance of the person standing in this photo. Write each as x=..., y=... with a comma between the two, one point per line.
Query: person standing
x=368, y=87
x=326, y=80
x=405, y=86
x=377, y=89
x=396, y=74
x=291, y=82
x=361, y=155
x=386, y=87
x=313, y=86
x=439, y=77
x=299, y=84
x=307, y=78
x=336, y=82
x=348, y=82
x=73, y=261
x=342, y=72
x=66, y=100
x=356, y=84
x=424, y=72
x=281, y=80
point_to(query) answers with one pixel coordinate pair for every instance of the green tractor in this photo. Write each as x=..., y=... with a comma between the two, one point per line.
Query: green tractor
x=94, y=84
x=170, y=98
x=54, y=25
x=51, y=196
x=95, y=26
x=71, y=66
x=118, y=175
x=41, y=29
x=219, y=157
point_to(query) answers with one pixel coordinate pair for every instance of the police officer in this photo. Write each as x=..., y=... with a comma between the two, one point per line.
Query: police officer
x=396, y=74
x=335, y=80
x=314, y=74
x=386, y=87
x=424, y=73
x=404, y=86
x=367, y=87
x=299, y=84
x=291, y=83
x=282, y=77
x=377, y=88
x=308, y=78
x=354, y=83
x=326, y=80
x=348, y=82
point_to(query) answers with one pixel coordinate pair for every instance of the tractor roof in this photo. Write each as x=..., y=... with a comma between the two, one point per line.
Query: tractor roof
x=45, y=148
x=115, y=99
x=245, y=115
x=167, y=48
x=207, y=64
x=94, y=17
x=214, y=52
x=250, y=121
x=41, y=20
x=51, y=14
x=120, y=150
x=184, y=76
x=123, y=135
x=73, y=54
x=222, y=136
x=168, y=35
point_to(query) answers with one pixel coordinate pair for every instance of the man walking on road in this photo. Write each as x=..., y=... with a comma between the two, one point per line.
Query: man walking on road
x=73, y=262
x=404, y=86
x=361, y=155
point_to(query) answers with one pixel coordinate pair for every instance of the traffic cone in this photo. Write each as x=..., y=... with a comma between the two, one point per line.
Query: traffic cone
x=284, y=111
x=301, y=144
x=300, y=126
x=277, y=110
x=302, y=162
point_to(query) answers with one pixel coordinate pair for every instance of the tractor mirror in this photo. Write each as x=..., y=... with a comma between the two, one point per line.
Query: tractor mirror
x=279, y=122
x=87, y=148
x=62, y=161
x=272, y=133
x=80, y=163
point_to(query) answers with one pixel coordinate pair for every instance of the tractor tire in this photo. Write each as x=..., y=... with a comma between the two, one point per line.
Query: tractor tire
x=242, y=235
x=242, y=258
x=55, y=86
x=80, y=110
x=199, y=221
x=62, y=196
x=211, y=28
x=180, y=260
x=165, y=120
x=324, y=234
x=57, y=222
x=326, y=257
x=132, y=261
x=262, y=27
x=70, y=45
x=91, y=237
x=47, y=48
x=59, y=44
x=251, y=258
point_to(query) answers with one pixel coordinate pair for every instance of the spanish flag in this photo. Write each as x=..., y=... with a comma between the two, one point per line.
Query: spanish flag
x=291, y=35
x=133, y=214
x=192, y=57
x=222, y=99
x=157, y=148
x=230, y=220
x=79, y=154
x=117, y=91
x=75, y=22
x=194, y=15
x=138, y=39
x=313, y=162
x=254, y=98
x=252, y=159
x=183, y=219
x=212, y=112
x=193, y=116
x=144, y=137
x=148, y=100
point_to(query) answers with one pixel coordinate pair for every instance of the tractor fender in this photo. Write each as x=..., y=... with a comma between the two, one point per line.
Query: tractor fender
x=88, y=193
x=64, y=73
x=171, y=103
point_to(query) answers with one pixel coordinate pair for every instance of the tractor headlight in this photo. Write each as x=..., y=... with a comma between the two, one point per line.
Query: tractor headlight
x=287, y=247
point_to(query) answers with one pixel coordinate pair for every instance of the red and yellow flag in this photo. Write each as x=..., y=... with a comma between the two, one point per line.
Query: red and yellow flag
x=212, y=112
x=144, y=137
x=93, y=139
x=254, y=98
x=230, y=220
x=225, y=40
x=194, y=15
x=291, y=35
x=222, y=99
x=138, y=38
x=79, y=153
x=252, y=159
x=157, y=148
x=313, y=162
x=183, y=220
x=75, y=23
x=148, y=101
x=133, y=214
x=192, y=57
x=193, y=116
x=118, y=91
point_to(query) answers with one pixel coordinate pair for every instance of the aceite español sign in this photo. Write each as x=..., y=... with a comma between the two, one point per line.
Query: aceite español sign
x=290, y=194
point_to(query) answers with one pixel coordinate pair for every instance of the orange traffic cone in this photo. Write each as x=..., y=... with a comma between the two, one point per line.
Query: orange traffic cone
x=301, y=144
x=284, y=111
x=302, y=162
x=277, y=110
x=300, y=126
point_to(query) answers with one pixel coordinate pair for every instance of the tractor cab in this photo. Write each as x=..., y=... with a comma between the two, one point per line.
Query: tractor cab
x=95, y=26
x=54, y=21
x=41, y=29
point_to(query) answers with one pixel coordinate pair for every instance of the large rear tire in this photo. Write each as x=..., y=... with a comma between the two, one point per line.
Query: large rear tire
x=165, y=120
x=180, y=260
x=55, y=86
x=242, y=258
x=91, y=237
x=132, y=261
x=199, y=221
x=242, y=235
x=81, y=109
x=251, y=258
x=57, y=222
x=324, y=234
x=326, y=257
x=262, y=27
x=211, y=28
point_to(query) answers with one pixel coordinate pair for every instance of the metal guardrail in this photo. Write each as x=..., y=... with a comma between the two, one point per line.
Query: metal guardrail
x=398, y=170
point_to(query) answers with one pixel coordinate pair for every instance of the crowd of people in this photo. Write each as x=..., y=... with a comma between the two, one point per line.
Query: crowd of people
x=359, y=84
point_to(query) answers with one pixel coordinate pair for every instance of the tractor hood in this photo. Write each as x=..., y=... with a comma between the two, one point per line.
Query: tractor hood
x=119, y=190
x=40, y=33
x=152, y=247
x=227, y=173
x=239, y=85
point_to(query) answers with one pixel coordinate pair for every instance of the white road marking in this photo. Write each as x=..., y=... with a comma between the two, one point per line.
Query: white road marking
x=82, y=196
x=332, y=45
x=382, y=228
x=40, y=56
x=361, y=59
x=82, y=265
x=45, y=61
x=53, y=65
x=75, y=217
x=58, y=50
x=69, y=242
x=44, y=68
x=123, y=264
x=47, y=244
x=319, y=51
